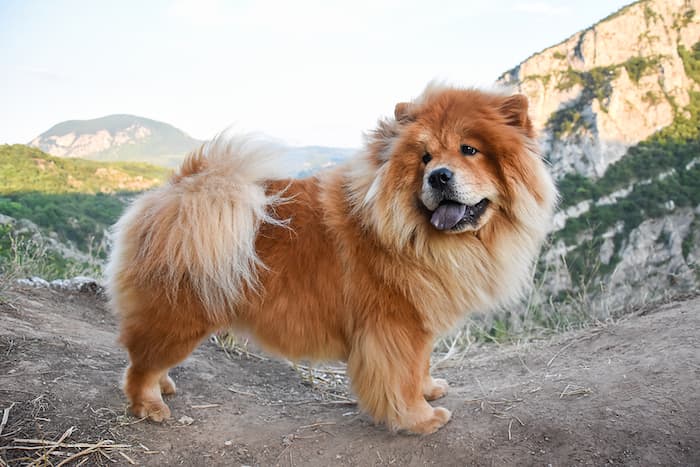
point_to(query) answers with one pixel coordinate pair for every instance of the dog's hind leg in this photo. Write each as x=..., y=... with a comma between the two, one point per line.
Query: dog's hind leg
x=387, y=368
x=433, y=388
x=155, y=345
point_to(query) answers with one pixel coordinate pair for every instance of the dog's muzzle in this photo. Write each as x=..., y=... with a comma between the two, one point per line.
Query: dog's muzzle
x=452, y=212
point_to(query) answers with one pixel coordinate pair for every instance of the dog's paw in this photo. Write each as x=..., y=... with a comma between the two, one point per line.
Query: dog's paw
x=167, y=385
x=435, y=389
x=440, y=416
x=156, y=411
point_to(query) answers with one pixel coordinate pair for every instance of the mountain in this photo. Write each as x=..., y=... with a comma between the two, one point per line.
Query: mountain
x=132, y=138
x=117, y=137
x=617, y=106
x=629, y=64
x=618, y=109
x=306, y=160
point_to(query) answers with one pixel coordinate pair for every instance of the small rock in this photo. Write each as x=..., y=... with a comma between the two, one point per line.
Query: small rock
x=185, y=420
x=34, y=282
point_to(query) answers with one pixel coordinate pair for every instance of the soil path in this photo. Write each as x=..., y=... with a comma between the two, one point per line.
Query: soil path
x=623, y=394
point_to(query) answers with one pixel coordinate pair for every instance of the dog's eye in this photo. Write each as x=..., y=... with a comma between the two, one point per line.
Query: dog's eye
x=468, y=150
x=427, y=157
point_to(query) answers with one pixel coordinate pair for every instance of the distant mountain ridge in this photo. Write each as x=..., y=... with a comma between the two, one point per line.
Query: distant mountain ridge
x=124, y=137
x=118, y=137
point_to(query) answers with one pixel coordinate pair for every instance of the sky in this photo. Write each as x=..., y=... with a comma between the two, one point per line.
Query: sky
x=306, y=72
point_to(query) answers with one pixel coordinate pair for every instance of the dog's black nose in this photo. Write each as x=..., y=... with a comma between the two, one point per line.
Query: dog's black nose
x=439, y=178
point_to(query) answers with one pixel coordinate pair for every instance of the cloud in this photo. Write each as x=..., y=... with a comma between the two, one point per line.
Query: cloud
x=200, y=12
x=40, y=73
x=541, y=8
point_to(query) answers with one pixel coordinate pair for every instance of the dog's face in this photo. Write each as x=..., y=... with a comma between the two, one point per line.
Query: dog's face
x=457, y=185
x=457, y=155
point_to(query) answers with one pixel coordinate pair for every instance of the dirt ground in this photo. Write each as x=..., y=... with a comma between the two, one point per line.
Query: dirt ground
x=621, y=394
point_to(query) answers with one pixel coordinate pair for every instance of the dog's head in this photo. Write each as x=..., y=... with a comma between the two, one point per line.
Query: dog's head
x=452, y=161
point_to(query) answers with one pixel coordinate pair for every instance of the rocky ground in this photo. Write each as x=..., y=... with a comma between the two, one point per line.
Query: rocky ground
x=621, y=394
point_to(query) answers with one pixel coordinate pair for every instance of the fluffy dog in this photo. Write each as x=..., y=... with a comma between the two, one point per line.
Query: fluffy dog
x=442, y=214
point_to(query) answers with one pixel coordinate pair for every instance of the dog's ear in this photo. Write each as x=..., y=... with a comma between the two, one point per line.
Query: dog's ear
x=514, y=109
x=404, y=112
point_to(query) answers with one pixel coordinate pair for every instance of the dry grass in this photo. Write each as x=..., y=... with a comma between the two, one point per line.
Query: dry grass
x=34, y=256
x=537, y=317
x=500, y=408
x=41, y=452
x=574, y=390
x=233, y=345
x=328, y=381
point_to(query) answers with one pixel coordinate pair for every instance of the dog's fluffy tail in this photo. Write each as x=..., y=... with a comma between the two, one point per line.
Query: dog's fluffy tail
x=198, y=231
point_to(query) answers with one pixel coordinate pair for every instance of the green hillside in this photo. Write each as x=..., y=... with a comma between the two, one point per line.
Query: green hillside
x=73, y=198
x=26, y=169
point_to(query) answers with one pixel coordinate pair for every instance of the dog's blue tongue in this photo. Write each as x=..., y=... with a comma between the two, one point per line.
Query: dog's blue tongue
x=447, y=215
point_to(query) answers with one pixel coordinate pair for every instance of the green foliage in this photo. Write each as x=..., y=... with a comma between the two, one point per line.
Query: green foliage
x=76, y=217
x=559, y=56
x=568, y=79
x=672, y=147
x=637, y=66
x=681, y=20
x=664, y=238
x=22, y=254
x=691, y=61
x=26, y=169
x=544, y=78
x=649, y=14
x=691, y=238
x=596, y=84
x=668, y=151
x=75, y=198
x=585, y=265
x=651, y=98
x=574, y=188
x=567, y=121
x=646, y=201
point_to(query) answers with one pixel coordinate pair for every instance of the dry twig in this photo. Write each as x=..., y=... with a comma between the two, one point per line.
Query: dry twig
x=571, y=390
x=205, y=406
x=5, y=417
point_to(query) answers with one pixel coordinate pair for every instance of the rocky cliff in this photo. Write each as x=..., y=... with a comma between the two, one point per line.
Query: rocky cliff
x=617, y=106
x=610, y=86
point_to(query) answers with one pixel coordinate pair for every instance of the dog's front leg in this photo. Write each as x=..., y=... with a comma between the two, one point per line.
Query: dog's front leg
x=388, y=367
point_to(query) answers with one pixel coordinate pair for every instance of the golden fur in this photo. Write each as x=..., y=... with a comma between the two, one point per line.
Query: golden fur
x=343, y=265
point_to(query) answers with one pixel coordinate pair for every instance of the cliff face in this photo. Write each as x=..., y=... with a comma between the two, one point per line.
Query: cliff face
x=610, y=86
x=73, y=144
x=618, y=109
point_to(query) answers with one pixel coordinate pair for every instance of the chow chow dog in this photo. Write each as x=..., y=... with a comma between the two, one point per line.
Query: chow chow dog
x=443, y=213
